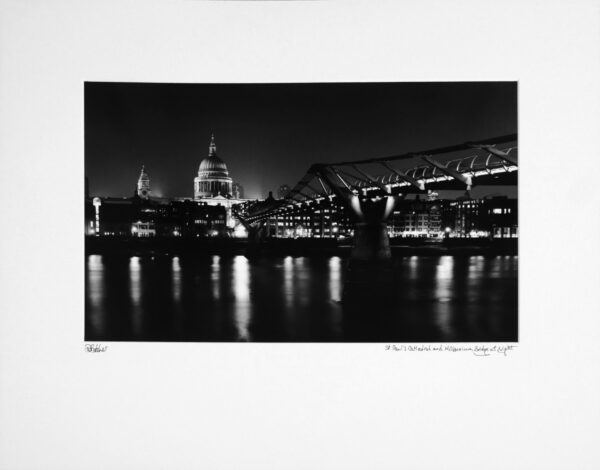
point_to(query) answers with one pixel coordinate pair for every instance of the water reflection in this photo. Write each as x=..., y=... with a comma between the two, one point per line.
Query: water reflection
x=447, y=298
x=444, y=290
x=135, y=294
x=288, y=282
x=177, y=311
x=444, y=278
x=176, y=277
x=215, y=277
x=301, y=281
x=95, y=280
x=335, y=278
x=95, y=290
x=335, y=294
x=475, y=273
x=241, y=289
x=413, y=264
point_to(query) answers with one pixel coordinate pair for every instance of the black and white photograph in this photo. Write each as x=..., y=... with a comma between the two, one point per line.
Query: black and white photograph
x=341, y=212
x=299, y=235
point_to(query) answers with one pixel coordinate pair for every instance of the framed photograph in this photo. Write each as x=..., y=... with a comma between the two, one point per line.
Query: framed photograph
x=390, y=233
x=299, y=235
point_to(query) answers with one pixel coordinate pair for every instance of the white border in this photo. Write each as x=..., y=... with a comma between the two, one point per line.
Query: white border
x=296, y=406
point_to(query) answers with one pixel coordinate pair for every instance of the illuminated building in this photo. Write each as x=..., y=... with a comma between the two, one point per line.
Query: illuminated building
x=237, y=191
x=213, y=185
x=494, y=217
x=213, y=178
x=435, y=219
x=137, y=217
x=466, y=218
x=416, y=218
x=143, y=229
x=143, y=185
x=499, y=216
x=209, y=214
x=113, y=216
x=323, y=218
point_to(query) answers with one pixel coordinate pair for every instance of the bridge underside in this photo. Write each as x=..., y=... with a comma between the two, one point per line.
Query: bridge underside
x=504, y=179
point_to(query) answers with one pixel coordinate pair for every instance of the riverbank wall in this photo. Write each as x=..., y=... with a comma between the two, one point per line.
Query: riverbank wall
x=293, y=247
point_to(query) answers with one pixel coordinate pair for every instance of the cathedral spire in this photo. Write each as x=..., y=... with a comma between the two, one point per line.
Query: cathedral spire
x=143, y=185
x=212, y=148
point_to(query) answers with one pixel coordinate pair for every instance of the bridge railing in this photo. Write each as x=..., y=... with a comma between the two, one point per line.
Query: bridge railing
x=490, y=161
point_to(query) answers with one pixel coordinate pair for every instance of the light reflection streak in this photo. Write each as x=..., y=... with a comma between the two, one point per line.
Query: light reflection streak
x=96, y=291
x=413, y=264
x=135, y=294
x=475, y=293
x=215, y=277
x=96, y=279
x=335, y=276
x=301, y=278
x=474, y=275
x=288, y=283
x=176, y=276
x=335, y=293
x=496, y=267
x=241, y=289
x=444, y=283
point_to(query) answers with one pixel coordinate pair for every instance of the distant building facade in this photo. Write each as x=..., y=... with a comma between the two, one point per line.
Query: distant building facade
x=323, y=218
x=237, y=191
x=282, y=191
x=493, y=217
x=466, y=218
x=416, y=218
x=500, y=217
x=138, y=217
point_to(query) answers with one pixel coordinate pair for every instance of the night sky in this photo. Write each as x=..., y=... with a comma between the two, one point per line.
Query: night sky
x=269, y=134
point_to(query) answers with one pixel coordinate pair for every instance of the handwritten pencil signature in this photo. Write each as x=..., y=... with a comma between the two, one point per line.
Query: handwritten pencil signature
x=95, y=348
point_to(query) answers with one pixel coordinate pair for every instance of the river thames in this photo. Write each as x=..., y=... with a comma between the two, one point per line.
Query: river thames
x=299, y=299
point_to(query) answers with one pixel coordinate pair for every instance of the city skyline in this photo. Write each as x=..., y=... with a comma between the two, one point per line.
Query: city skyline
x=269, y=134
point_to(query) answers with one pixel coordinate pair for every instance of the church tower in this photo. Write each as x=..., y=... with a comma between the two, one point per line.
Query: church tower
x=143, y=185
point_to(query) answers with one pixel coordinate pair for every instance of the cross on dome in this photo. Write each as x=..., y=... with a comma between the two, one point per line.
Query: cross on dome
x=212, y=148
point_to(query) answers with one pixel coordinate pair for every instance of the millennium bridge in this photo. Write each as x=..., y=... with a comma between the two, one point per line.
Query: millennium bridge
x=371, y=188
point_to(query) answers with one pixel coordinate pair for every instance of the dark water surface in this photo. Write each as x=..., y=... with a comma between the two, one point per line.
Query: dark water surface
x=217, y=298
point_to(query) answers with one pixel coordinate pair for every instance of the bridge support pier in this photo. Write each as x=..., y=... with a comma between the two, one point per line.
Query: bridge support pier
x=370, y=275
x=371, y=241
x=256, y=236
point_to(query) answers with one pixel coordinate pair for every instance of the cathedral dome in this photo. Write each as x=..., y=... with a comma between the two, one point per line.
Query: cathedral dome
x=213, y=163
x=212, y=166
x=213, y=177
